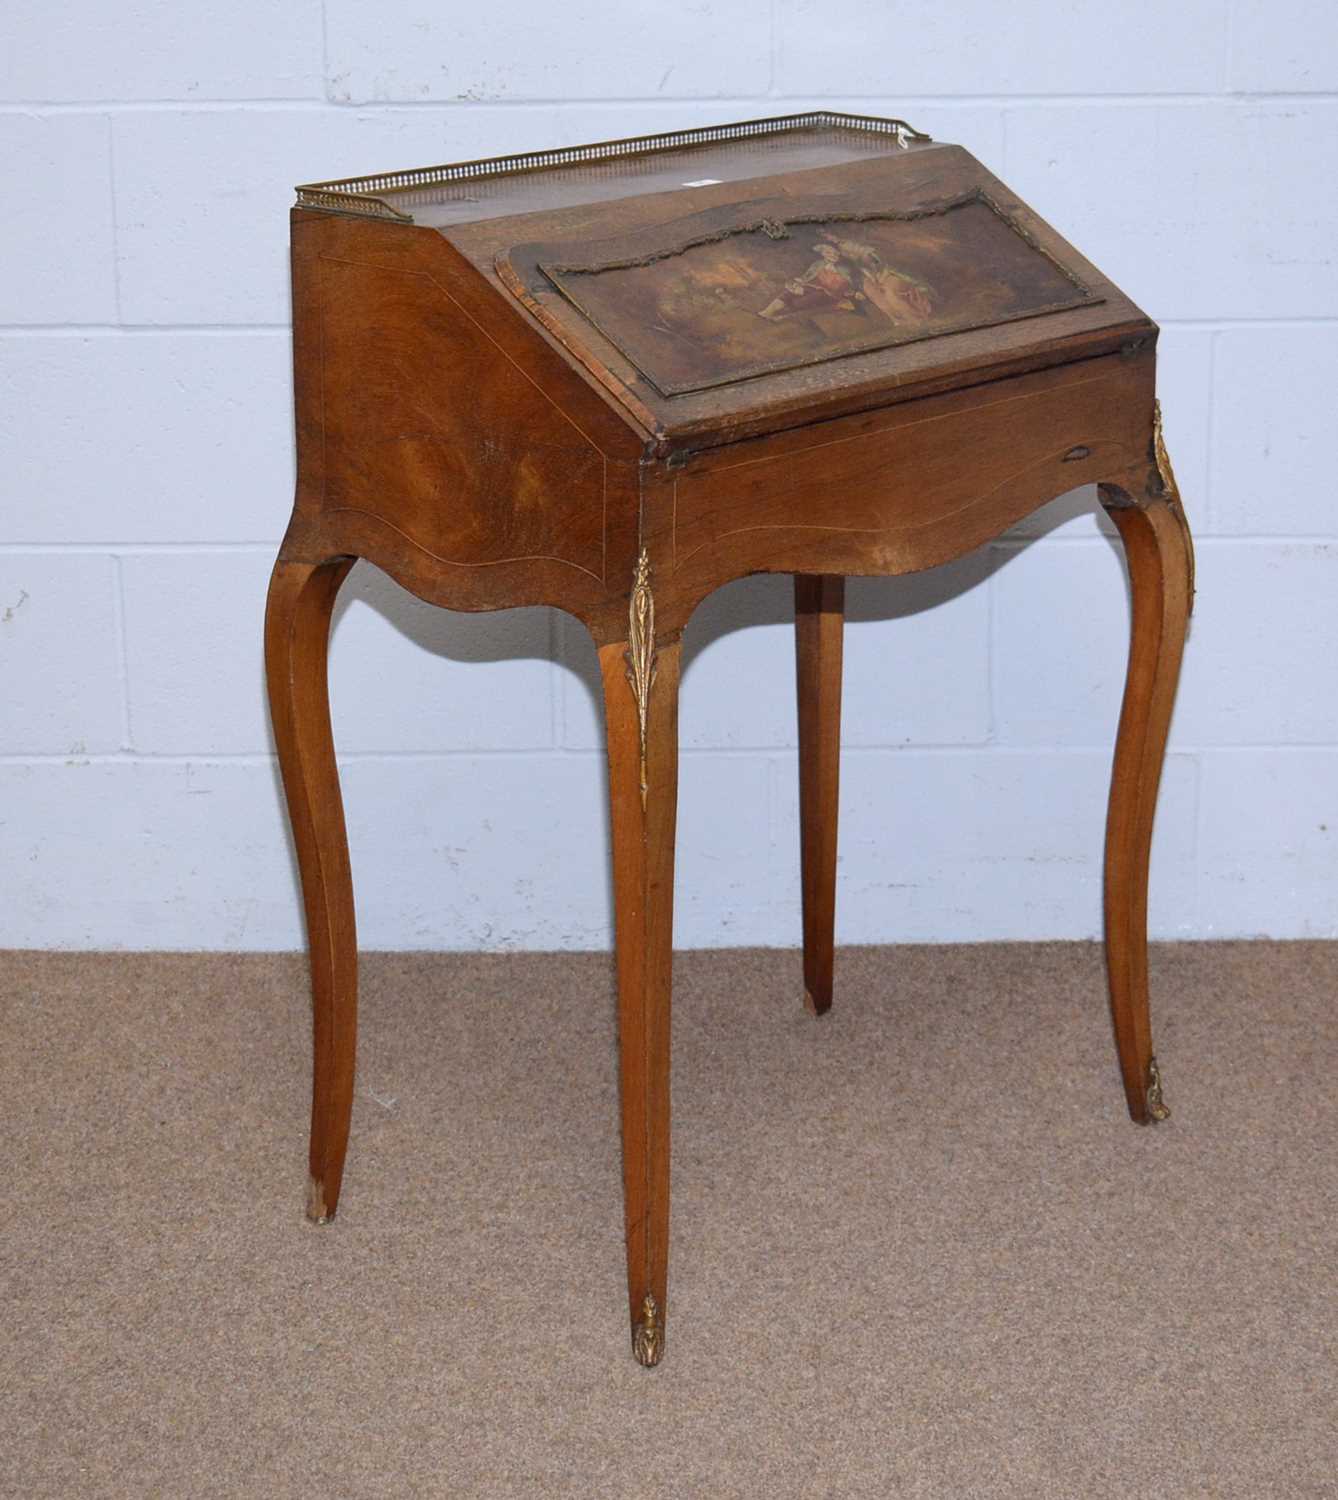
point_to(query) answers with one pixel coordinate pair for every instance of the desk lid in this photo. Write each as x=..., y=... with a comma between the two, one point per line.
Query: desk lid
x=730, y=278
x=772, y=284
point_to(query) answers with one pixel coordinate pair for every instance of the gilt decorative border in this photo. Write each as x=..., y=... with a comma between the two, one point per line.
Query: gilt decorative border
x=358, y=195
x=641, y=653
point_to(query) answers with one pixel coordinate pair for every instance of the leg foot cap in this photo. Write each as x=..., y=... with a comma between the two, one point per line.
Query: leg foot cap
x=648, y=1334
x=1158, y=1109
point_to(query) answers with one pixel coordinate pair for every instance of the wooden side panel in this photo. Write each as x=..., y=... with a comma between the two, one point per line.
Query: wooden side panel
x=907, y=487
x=441, y=437
x=430, y=434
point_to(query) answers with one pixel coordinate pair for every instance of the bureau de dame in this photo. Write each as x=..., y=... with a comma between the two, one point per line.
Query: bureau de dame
x=612, y=378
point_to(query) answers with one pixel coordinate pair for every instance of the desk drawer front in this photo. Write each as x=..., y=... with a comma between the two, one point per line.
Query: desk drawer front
x=911, y=486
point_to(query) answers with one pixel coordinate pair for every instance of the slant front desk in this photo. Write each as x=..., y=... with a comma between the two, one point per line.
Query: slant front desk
x=613, y=377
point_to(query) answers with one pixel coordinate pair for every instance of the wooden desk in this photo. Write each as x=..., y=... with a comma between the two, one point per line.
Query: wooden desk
x=613, y=378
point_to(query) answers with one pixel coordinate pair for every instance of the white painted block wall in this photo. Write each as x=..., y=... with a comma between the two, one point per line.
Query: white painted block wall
x=147, y=473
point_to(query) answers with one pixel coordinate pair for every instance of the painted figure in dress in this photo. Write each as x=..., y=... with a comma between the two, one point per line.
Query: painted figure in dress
x=851, y=275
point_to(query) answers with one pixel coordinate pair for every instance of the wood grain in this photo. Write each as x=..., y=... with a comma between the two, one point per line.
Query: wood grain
x=488, y=453
x=898, y=490
x=297, y=631
x=643, y=892
x=1157, y=546
x=903, y=182
x=819, y=628
x=441, y=436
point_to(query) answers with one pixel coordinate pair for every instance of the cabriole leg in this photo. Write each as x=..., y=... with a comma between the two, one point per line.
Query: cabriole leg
x=297, y=631
x=1160, y=555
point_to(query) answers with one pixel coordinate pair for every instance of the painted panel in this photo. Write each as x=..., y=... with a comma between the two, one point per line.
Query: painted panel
x=785, y=291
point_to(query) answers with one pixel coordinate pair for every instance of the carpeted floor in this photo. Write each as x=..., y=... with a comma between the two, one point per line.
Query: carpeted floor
x=918, y=1248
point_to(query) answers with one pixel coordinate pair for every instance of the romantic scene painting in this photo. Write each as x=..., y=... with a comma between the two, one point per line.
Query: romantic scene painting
x=781, y=294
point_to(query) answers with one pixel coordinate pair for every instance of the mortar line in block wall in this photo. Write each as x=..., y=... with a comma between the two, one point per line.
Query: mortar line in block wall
x=1202, y=539
x=1196, y=828
x=786, y=753
x=304, y=104
x=1210, y=497
x=140, y=330
x=620, y=103
x=991, y=683
x=307, y=105
x=325, y=52
x=115, y=224
x=1226, y=324
x=133, y=549
x=778, y=766
x=122, y=650
x=555, y=679
x=277, y=330
x=773, y=48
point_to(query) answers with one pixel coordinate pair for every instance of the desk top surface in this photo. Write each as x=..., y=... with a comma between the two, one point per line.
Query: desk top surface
x=715, y=279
